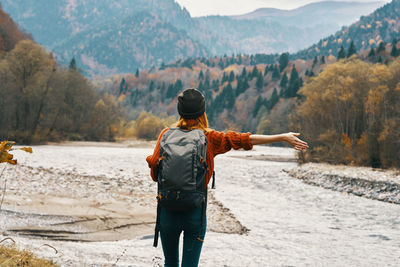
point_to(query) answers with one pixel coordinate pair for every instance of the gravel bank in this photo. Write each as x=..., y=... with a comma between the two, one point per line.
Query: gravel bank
x=383, y=185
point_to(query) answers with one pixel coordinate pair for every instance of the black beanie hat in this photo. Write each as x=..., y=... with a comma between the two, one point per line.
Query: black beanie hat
x=191, y=104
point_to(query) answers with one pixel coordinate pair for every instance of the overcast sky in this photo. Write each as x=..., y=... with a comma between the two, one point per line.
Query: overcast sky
x=198, y=8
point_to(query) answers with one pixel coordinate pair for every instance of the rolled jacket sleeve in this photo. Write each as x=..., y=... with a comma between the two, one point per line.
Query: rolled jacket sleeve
x=223, y=142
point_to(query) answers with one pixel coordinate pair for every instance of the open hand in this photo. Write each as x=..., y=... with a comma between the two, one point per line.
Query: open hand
x=295, y=142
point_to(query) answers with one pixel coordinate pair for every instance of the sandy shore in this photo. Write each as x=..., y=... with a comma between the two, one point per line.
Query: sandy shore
x=59, y=205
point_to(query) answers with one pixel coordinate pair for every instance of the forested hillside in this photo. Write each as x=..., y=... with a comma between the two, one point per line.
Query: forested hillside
x=108, y=37
x=140, y=41
x=245, y=93
x=41, y=101
x=378, y=29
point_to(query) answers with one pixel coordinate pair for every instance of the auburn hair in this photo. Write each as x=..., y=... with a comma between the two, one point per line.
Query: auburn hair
x=197, y=123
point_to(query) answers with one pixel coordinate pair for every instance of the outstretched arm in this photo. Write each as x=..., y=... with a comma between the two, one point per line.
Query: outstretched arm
x=291, y=138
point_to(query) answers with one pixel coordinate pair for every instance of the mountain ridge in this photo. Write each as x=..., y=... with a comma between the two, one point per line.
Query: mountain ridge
x=58, y=26
x=368, y=32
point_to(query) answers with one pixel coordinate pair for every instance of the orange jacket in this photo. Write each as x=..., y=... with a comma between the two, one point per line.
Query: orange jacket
x=218, y=143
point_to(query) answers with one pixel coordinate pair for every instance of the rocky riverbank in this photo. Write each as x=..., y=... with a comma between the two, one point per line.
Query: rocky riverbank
x=378, y=184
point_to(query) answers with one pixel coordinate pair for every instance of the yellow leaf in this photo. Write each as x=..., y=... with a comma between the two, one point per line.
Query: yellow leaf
x=12, y=161
x=6, y=145
x=26, y=149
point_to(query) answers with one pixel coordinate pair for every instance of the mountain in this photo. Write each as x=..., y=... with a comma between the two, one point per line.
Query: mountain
x=136, y=42
x=108, y=36
x=383, y=25
x=332, y=13
x=270, y=30
x=54, y=21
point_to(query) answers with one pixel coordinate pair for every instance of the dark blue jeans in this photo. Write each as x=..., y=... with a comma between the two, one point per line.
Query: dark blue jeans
x=171, y=226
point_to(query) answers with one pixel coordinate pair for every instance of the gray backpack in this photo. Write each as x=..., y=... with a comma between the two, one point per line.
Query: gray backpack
x=181, y=172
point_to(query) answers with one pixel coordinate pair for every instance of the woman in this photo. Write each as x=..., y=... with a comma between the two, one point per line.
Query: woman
x=191, y=108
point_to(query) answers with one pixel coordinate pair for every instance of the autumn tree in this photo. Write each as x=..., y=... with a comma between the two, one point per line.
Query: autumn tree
x=348, y=111
x=43, y=102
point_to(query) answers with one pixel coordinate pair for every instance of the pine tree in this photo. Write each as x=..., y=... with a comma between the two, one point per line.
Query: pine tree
x=242, y=86
x=162, y=66
x=72, y=64
x=151, y=86
x=229, y=96
x=352, y=49
x=201, y=75
x=221, y=64
x=178, y=86
x=266, y=70
x=231, y=76
x=254, y=73
x=224, y=77
x=122, y=86
x=315, y=62
x=381, y=47
x=206, y=83
x=271, y=67
x=371, y=53
x=137, y=72
x=260, y=81
x=323, y=60
x=273, y=100
x=244, y=72
x=200, y=87
x=341, y=53
x=294, y=84
x=275, y=74
x=284, y=81
x=283, y=61
x=170, y=91
x=395, y=51
x=258, y=105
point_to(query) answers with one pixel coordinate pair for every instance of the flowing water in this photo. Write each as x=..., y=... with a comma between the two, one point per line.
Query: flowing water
x=295, y=224
x=290, y=223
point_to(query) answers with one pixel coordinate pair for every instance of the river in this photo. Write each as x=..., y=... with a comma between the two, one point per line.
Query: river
x=290, y=223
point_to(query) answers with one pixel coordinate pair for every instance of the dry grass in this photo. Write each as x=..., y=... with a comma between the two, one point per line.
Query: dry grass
x=10, y=257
